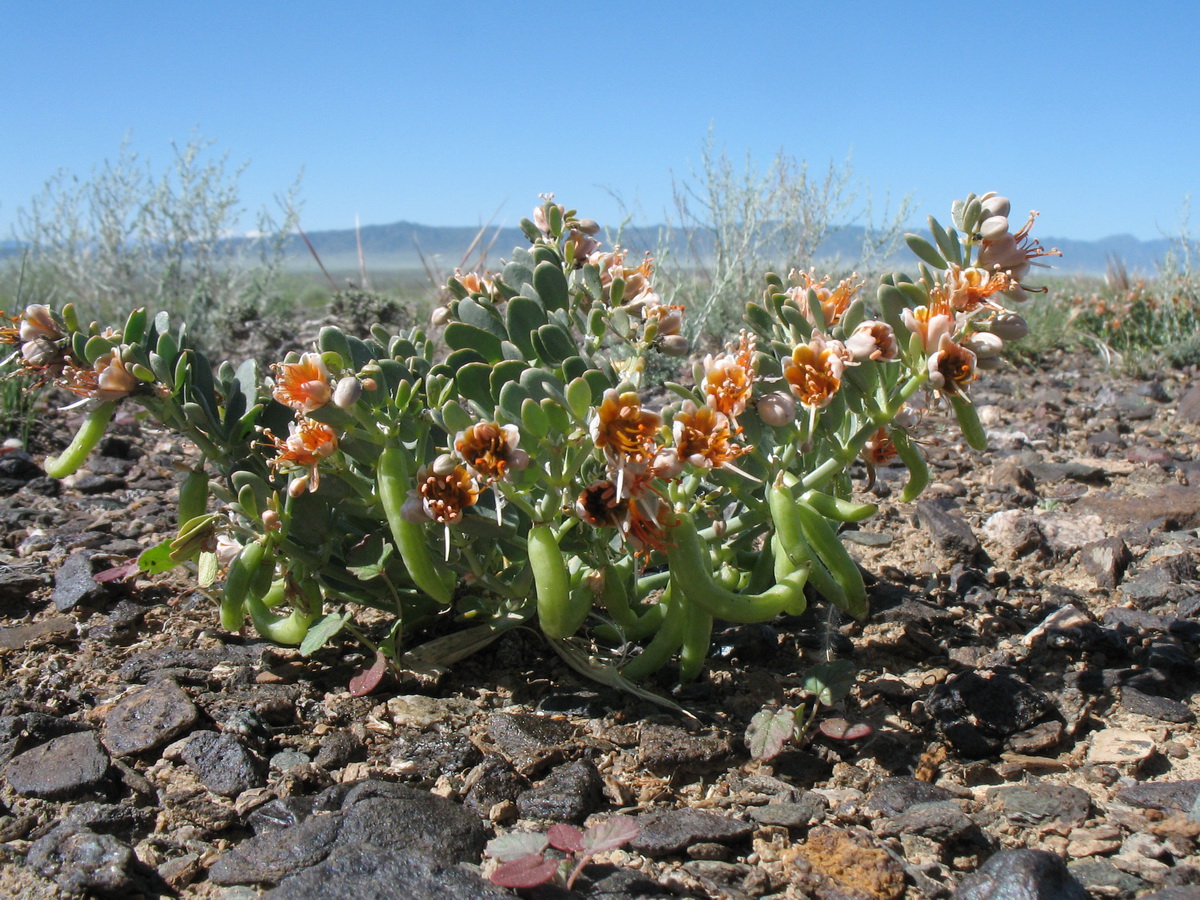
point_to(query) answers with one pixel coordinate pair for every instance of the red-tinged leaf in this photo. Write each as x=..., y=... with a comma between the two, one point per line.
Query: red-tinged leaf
x=365, y=682
x=526, y=872
x=118, y=573
x=567, y=838
x=769, y=730
x=610, y=834
x=844, y=730
x=516, y=845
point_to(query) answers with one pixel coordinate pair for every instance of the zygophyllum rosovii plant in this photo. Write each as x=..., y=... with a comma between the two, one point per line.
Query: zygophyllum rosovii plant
x=508, y=467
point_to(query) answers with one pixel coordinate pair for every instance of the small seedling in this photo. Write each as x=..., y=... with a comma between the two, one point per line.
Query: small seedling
x=524, y=863
x=773, y=727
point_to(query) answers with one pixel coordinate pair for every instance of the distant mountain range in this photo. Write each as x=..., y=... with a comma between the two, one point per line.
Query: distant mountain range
x=402, y=245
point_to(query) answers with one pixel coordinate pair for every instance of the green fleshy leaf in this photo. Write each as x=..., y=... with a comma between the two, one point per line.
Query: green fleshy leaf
x=830, y=682
x=156, y=559
x=320, y=631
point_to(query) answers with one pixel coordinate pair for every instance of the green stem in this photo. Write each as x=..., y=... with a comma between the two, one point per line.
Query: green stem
x=85, y=441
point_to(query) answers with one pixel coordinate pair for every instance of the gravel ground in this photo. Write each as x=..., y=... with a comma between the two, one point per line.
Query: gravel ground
x=1029, y=673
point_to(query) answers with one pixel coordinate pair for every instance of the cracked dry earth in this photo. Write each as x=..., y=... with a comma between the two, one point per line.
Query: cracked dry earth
x=1029, y=670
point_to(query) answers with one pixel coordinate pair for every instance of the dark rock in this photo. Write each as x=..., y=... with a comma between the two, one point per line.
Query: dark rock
x=584, y=703
x=339, y=748
x=1162, y=708
x=74, y=585
x=148, y=718
x=662, y=747
x=17, y=469
x=223, y=764
x=1010, y=473
x=1168, y=654
x=368, y=872
x=894, y=795
x=19, y=733
x=1104, y=878
x=1170, y=796
x=270, y=857
x=1106, y=561
x=977, y=710
x=673, y=830
x=943, y=822
x=1043, y=803
x=530, y=741
x=626, y=884
x=17, y=583
x=428, y=755
x=755, y=643
x=59, y=769
x=417, y=822
x=282, y=812
x=118, y=819
x=55, y=628
x=1189, y=892
x=1021, y=875
x=569, y=794
x=81, y=861
x=92, y=484
x=1041, y=736
x=192, y=666
x=493, y=781
x=1188, y=408
x=950, y=533
x=801, y=813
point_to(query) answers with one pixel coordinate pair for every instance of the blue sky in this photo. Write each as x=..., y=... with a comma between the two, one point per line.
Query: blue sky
x=444, y=112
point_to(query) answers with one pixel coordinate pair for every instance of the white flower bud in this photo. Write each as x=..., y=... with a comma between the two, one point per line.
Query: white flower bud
x=985, y=345
x=440, y=317
x=347, y=392
x=993, y=228
x=1009, y=326
x=673, y=345
x=777, y=409
x=996, y=206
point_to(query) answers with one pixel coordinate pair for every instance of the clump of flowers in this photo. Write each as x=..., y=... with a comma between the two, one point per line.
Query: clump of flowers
x=509, y=465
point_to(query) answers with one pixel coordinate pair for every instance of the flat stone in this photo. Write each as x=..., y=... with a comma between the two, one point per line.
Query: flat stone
x=270, y=857
x=494, y=780
x=1116, y=746
x=369, y=872
x=430, y=754
x=943, y=822
x=59, y=769
x=893, y=796
x=1045, y=803
x=17, y=583
x=420, y=712
x=80, y=861
x=798, y=814
x=339, y=748
x=950, y=533
x=1162, y=708
x=976, y=710
x=673, y=830
x=223, y=764
x=569, y=794
x=149, y=718
x=663, y=747
x=74, y=585
x=17, y=637
x=1021, y=875
x=1104, y=878
x=416, y=822
x=192, y=664
x=1170, y=796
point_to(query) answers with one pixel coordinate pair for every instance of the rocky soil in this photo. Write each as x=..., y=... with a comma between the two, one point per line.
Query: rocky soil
x=1029, y=671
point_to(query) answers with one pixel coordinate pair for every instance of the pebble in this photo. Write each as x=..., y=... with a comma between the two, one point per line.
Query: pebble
x=223, y=764
x=943, y=822
x=1106, y=561
x=81, y=861
x=420, y=712
x=666, y=747
x=668, y=831
x=841, y=862
x=569, y=794
x=894, y=795
x=339, y=748
x=1103, y=878
x=1116, y=746
x=976, y=710
x=949, y=532
x=428, y=755
x=149, y=718
x=529, y=740
x=798, y=814
x=1169, y=796
x=1163, y=708
x=1045, y=804
x=493, y=781
x=368, y=871
x=1021, y=875
x=59, y=769
x=74, y=585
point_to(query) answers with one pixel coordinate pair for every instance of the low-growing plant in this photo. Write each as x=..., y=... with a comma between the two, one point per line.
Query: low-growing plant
x=507, y=468
x=774, y=727
x=525, y=862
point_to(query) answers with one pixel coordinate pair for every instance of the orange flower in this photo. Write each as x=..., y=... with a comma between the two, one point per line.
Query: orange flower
x=951, y=367
x=108, y=379
x=814, y=372
x=626, y=432
x=444, y=489
x=932, y=323
x=879, y=450
x=474, y=283
x=308, y=442
x=302, y=385
x=834, y=302
x=702, y=437
x=965, y=290
x=639, y=517
x=729, y=378
x=873, y=340
x=490, y=450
